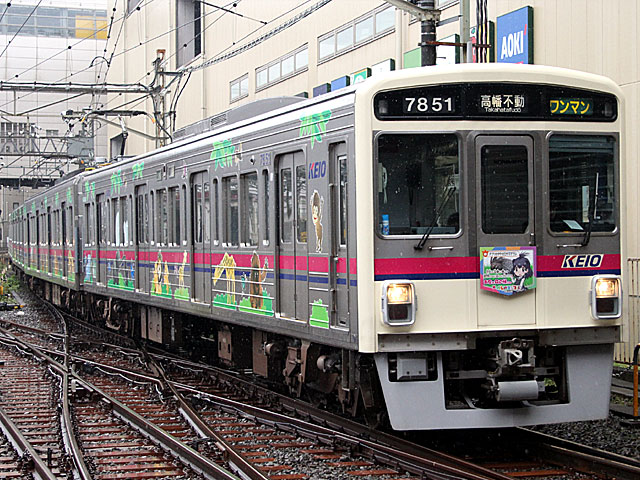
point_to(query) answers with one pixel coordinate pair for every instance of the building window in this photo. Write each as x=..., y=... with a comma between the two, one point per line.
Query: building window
x=282, y=68
x=240, y=88
x=188, y=34
x=345, y=38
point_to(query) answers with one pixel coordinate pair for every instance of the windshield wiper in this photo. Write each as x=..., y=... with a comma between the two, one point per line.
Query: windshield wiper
x=592, y=215
x=447, y=193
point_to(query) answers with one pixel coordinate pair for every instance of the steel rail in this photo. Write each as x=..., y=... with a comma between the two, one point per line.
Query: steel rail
x=188, y=455
x=21, y=444
x=349, y=427
x=410, y=462
x=580, y=457
x=70, y=441
x=194, y=459
x=238, y=462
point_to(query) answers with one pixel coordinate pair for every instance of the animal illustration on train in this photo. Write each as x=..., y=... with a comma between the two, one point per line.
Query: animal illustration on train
x=436, y=248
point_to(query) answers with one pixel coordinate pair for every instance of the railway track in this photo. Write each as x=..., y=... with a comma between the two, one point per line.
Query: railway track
x=229, y=420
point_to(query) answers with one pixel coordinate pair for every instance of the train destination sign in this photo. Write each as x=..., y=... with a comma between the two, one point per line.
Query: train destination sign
x=509, y=101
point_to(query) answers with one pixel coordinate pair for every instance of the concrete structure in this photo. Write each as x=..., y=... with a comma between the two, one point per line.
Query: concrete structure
x=55, y=42
x=255, y=49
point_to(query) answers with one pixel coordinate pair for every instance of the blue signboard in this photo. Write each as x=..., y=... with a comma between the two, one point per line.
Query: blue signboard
x=515, y=36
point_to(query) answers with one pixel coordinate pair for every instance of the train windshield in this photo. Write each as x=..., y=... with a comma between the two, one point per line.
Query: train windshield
x=581, y=183
x=418, y=184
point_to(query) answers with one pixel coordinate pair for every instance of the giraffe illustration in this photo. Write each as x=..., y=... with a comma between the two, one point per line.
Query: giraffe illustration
x=228, y=265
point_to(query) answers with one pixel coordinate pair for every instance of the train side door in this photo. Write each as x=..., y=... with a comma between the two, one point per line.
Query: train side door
x=506, y=229
x=339, y=265
x=102, y=219
x=293, y=261
x=63, y=243
x=201, y=234
x=142, y=239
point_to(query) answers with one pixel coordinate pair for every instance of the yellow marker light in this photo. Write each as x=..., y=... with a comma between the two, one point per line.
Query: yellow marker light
x=398, y=293
x=606, y=287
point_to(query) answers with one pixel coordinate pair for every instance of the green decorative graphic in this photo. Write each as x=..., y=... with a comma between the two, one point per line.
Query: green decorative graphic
x=224, y=300
x=319, y=315
x=267, y=310
x=57, y=201
x=314, y=126
x=138, y=169
x=69, y=195
x=89, y=191
x=117, y=181
x=222, y=154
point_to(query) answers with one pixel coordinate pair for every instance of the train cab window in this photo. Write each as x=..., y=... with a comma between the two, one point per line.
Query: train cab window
x=582, y=183
x=249, y=184
x=417, y=184
x=301, y=197
x=230, y=193
x=505, y=190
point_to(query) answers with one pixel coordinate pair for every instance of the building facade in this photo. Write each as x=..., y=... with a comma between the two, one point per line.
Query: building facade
x=49, y=42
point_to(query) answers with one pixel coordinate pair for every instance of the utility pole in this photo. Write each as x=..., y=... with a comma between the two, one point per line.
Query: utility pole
x=428, y=15
x=428, y=34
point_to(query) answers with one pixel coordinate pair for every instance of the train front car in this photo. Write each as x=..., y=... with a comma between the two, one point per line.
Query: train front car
x=495, y=250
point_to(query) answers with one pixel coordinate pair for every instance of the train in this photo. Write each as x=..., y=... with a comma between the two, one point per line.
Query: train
x=433, y=248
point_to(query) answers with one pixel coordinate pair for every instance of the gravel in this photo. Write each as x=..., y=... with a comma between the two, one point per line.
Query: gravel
x=611, y=435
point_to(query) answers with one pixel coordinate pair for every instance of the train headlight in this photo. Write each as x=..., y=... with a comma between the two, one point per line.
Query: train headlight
x=398, y=303
x=606, y=296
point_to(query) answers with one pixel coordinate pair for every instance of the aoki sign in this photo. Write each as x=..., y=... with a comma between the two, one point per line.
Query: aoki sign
x=515, y=36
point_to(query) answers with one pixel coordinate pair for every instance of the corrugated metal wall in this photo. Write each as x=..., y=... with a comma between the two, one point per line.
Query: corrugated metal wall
x=631, y=332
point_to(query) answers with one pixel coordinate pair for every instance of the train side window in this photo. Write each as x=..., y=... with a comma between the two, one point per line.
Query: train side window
x=162, y=215
x=115, y=221
x=125, y=207
x=230, y=192
x=146, y=218
x=152, y=219
x=249, y=184
x=184, y=216
x=301, y=198
x=174, y=216
x=265, y=205
x=206, y=216
x=86, y=230
x=70, y=240
x=101, y=220
x=342, y=167
x=197, y=213
x=214, y=207
x=140, y=219
x=287, y=205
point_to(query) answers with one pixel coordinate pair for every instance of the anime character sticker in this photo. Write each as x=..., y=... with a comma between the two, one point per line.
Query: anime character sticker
x=507, y=270
x=317, y=202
